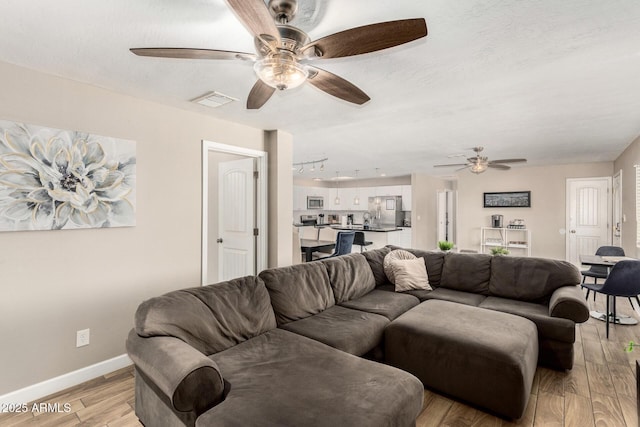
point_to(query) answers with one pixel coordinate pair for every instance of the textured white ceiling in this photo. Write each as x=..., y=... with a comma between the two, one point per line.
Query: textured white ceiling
x=553, y=81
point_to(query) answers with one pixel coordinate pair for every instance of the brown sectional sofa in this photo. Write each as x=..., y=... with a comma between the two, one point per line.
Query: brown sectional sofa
x=296, y=345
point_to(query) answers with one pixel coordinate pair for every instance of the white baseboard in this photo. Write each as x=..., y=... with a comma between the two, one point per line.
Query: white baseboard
x=54, y=385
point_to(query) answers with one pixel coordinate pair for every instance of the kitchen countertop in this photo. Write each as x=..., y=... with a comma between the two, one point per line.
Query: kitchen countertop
x=361, y=228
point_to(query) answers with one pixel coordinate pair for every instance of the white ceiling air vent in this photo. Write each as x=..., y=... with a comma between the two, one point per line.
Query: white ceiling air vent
x=213, y=99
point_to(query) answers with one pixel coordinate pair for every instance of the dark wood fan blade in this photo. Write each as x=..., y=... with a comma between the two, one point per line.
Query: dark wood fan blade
x=508, y=161
x=369, y=38
x=259, y=95
x=256, y=17
x=185, y=53
x=451, y=165
x=336, y=86
x=498, y=166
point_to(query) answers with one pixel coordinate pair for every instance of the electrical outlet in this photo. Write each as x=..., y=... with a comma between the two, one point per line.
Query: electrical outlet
x=82, y=338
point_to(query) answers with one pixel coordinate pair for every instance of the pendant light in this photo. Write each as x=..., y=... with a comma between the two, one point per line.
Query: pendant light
x=337, y=200
x=356, y=200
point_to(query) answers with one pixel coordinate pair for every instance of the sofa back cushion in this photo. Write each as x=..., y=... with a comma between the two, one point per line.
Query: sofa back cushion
x=434, y=261
x=530, y=279
x=350, y=276
x=466, y=272
x=298, y=291
x=375, y=258
x=210, y=318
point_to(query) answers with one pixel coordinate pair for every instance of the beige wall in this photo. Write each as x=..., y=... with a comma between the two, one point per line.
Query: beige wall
x=424, y=219
x=545, y=218
x=54, y=283
x=626, y=162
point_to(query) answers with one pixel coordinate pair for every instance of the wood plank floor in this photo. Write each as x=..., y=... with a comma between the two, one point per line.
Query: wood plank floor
x=599, y=391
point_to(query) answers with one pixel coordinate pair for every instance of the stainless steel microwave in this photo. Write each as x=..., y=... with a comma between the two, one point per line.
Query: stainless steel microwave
x=315, y=202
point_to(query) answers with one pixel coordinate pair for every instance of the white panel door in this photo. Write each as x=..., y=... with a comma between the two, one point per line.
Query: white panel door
x=236, y=210
x=588, y=216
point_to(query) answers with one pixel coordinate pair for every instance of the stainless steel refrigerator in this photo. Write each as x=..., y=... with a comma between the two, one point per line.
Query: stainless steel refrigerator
x=386, y=211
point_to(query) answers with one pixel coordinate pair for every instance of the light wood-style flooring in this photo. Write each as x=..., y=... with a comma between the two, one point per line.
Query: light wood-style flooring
x=599, y=391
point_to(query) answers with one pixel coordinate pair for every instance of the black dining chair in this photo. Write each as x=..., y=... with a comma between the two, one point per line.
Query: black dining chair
x=359, y=240
x=598, y=271
x=623, y=281
x=344, y=243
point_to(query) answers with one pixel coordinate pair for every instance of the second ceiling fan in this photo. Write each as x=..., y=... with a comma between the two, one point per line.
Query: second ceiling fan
x=478, y=164
x=283, y=52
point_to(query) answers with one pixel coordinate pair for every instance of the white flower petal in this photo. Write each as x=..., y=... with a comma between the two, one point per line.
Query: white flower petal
x=112, y=180
x=63, y=212
x=40, y=196
x=19, y=210
x=24, y=181
x=43, y=215
x=15, y=138
x=61, y=161
x=19, y=162
x=95, y=156
x=123, y=209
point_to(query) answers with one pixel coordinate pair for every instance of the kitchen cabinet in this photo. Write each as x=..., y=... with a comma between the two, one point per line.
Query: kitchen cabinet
x=389, y=190
x=299, y=198
x=401, y=238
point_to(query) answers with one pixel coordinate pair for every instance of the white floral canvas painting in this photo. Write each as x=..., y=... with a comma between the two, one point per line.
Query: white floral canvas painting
x=52, y=179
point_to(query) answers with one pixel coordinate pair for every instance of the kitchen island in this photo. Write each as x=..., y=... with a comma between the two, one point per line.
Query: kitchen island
x=380, y=236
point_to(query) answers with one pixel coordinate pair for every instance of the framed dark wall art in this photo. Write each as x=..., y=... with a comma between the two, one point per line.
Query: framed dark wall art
x=510, y=199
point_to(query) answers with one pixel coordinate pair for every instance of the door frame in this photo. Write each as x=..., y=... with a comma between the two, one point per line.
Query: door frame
x=616, y=205
x=261, y=211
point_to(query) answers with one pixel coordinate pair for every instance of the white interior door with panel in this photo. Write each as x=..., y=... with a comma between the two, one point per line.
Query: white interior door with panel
x=588, y=216
x=236, y=205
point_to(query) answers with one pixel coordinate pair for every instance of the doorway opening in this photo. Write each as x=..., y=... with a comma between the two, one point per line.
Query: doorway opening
x=234, y=212
x=446, y=205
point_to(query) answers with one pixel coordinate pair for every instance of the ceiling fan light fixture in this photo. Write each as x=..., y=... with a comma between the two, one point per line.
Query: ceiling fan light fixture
x=281, y=73
x=479, y=166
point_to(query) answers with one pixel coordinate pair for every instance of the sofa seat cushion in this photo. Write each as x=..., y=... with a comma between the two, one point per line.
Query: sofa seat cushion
x=467, y=272
x=283, y=379
x=353, y=331
x=549, y=328
x=421, y=294
x=466, y=298
x=210, y=318
x=387, y=304
x=298, y=291
x=350, y=276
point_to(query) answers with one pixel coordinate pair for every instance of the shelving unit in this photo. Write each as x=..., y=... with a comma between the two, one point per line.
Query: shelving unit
x=516, y=240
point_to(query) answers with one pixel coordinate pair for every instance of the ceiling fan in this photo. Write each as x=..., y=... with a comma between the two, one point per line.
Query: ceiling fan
x=283, y=52
x=479, y=164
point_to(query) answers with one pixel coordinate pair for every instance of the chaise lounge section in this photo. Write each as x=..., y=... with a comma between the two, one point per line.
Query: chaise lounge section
x=302, y=345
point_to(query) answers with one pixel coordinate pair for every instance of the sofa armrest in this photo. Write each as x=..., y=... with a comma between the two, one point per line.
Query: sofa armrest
x=569, y=302
x=190, y=380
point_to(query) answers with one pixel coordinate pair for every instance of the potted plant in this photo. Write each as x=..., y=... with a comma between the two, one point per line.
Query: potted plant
x=499, y=251
x=445, y=246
